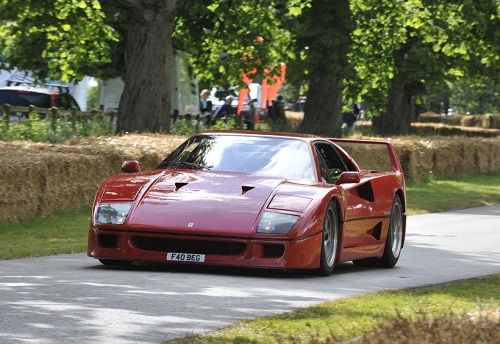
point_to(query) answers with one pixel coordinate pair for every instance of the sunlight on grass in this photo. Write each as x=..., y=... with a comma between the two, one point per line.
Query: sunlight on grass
x=441, y=194
x=348, y=318
x=61, y=233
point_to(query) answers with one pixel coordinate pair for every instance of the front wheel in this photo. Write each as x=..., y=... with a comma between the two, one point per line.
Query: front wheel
x=329, y=243
x=394, y=241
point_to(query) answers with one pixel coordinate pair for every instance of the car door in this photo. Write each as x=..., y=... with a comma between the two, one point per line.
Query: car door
x=361, y=230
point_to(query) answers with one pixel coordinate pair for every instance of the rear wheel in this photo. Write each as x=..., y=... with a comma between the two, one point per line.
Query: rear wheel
x=394, y=241
x=115, y=262
x=329, y=243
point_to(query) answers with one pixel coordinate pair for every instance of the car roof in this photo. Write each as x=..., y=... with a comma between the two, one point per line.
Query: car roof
x=28, y=89
x=305, y=137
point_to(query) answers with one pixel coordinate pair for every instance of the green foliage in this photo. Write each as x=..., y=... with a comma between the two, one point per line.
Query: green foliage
x=186, y=127
x=42, y=130
x=189, y=126
x=420, y=43
x=63, y=39
x=251, y=33
x=229, y=124
x=479, y=96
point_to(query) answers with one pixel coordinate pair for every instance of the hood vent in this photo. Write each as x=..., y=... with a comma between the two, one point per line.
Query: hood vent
x=179, y=185
x=245, y=189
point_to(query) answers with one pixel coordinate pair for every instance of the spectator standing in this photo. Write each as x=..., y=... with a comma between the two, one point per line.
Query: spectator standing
x=226, y=109
x=206, y=107
x=349, y=117
x=301, y=104
x=248, y=113
x=279, y=110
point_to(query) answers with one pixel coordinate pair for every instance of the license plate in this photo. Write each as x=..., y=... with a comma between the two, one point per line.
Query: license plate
x=186, y=257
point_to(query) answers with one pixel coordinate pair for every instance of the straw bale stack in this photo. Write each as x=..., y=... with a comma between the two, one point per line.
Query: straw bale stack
x=429, y=129
x=369, y=157
x=442, y=156
x=41, y=178
x=487, y=121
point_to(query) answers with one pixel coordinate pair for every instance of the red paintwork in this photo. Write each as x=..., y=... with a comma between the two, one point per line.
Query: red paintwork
x=210, y=206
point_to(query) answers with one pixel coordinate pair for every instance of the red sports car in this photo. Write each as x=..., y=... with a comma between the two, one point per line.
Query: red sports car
x=269, y=200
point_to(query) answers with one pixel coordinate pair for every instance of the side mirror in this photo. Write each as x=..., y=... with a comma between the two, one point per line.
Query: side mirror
x=348, y=177
x=131, y=166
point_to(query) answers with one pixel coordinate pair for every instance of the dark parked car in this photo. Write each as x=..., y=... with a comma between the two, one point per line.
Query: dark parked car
x=37, y=96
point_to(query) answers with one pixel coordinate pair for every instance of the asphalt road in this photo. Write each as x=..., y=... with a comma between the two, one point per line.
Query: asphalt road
x=74, y=299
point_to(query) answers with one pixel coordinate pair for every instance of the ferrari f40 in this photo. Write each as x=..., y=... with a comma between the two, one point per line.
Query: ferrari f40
x=267, y=200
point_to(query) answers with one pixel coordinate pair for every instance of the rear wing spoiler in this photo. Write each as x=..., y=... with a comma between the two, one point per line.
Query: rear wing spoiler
x=396, y=164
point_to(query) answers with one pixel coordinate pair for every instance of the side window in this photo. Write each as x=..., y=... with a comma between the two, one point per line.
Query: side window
x=66, y=101
x=323, y=168
x=334, y=164
x=72, y=102
x=60, y=101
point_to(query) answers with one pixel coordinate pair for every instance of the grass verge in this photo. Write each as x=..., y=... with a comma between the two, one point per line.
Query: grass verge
x=65, y=232
x=351, y=318
x=441, y=194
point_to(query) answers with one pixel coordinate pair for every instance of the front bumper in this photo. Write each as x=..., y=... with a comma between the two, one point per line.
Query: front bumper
x=303, y=253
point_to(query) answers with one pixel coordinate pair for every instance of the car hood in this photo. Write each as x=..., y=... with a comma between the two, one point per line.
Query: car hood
x=195, y=202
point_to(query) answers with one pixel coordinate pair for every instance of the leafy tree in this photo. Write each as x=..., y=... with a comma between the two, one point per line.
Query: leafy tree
x=68, y=39
x=145, y=104
x=403, y=48
x=311, y=36
x=476, y=96
x=61, y=39
x=227, y=38
x=386, y=51
x=325, y=39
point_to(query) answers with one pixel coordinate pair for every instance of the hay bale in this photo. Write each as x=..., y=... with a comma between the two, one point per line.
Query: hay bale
x=369, y=157
x=429, y=117
x=487, y=121
x=41, y=178
x=439, y=129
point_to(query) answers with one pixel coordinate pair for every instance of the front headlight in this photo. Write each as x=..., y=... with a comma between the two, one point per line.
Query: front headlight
x=113, y=213
x=277, y=223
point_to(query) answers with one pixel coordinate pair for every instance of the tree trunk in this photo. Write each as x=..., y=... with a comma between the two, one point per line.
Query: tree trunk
x=327, y=62
x=322, y=114
x=397, y=118
x=145, y=105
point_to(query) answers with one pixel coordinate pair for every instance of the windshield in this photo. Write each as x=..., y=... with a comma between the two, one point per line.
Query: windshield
x=274, y=156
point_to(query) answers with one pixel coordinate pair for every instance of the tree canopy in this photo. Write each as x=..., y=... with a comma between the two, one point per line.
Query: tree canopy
x=406, y=48
x=65, y=39
x=386, y=52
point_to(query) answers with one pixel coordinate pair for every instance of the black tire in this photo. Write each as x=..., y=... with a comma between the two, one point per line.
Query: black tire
x=115, y=262
x=330, y=240
x=394, y=242
x=367, y=262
